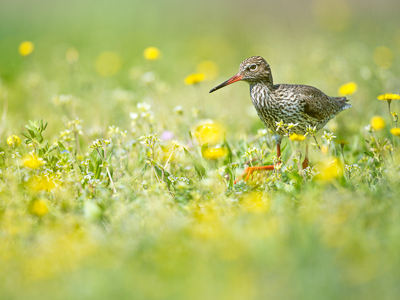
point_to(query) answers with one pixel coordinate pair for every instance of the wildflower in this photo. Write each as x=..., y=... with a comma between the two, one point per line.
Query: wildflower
x=26, y=48
x=194, y=78
x=208, y=68
x=32, y=161
x=328, y=137
x=152, y=53
x=41, y=183
x=324, y=149
x=297, y=137
x=72, y=55
x=377, y=123
x=214, y=153
x=348, y=88
x=108, y=63
x=255, y=202
x=39, y=208
x=208, y=132
x=329, y=170
x=13, y=141
x=178, y=110
x=389, y=97
x=395, y=131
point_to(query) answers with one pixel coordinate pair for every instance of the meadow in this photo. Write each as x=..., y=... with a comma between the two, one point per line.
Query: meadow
x=117, y=167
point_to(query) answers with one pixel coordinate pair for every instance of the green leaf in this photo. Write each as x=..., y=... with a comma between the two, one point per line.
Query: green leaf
x=201, y=171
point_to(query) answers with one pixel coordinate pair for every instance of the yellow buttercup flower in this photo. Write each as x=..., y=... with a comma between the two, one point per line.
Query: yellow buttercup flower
x=32, y=161
x=389, y=97
x=108, y=63
x=377, y=123
x=348, y=88
x=395, y=131
x=297, y=137
x=329, y=170
x=13, y=141
x=194, y=78
x=152, y=53
x=26, y=48
x=39, y=208
x=214, y=153
x=41, y=183
x=209, y=132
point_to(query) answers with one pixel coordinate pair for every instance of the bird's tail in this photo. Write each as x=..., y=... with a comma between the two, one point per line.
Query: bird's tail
x=342, y=101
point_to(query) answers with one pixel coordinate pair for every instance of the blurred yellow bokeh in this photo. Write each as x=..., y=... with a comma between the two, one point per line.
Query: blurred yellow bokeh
x=72, y=55
x=377, y=123
x=108, y=63
x=329, y=170
x=297, y=137
x=213, y=153
x=395, y=131
x=194, y=78
x=39, y=207
x=152, y=53
x=208, y=68
x=209, y=132
x=348, y=89
x=383, y=57
x=31, y=161
x=26, y=48
x=333, y=15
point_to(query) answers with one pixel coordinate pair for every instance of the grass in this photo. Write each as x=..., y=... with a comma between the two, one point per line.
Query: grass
x=121, y=184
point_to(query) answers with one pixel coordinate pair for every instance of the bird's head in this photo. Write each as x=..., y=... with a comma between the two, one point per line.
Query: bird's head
x=252, y=70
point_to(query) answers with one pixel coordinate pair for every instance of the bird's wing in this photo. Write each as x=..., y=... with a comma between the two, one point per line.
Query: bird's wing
x=315, y=103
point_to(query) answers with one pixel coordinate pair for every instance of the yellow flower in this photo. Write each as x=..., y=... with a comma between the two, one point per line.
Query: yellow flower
x=214, y=153
x=108, y=63
x=208, y=68
x=13, y=141
x=152, y=53
x=297, y=137
x=329, y=170
x=255, y=202
x=39, y=208
x=41, y=183
x=348, y=88
x=395, y=131
x=377, y=123
x=26, y=48
x=389, y=97
x=32, y=161
x=208, y=132
x=194, y=78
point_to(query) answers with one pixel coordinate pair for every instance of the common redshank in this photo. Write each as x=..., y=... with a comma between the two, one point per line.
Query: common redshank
x=297, y=104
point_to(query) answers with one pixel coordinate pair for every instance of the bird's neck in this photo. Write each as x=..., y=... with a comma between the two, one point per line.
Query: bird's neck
x=260, y=94
x=267, y=87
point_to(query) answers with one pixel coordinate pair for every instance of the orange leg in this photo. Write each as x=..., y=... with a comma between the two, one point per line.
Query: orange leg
x=306, y=161
x=250, y=170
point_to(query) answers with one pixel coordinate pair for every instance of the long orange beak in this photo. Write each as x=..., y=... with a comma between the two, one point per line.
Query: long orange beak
x=235, y=78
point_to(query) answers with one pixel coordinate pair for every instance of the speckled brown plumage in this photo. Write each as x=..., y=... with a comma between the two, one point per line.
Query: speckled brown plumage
x=289, y=103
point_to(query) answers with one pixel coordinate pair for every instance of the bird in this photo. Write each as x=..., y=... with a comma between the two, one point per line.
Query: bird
x=302, y=105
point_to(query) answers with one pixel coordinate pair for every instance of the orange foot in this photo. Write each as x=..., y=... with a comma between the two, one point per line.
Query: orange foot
x=250, y=170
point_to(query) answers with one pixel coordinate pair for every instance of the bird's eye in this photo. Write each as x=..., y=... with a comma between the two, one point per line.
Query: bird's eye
x=253, y=67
